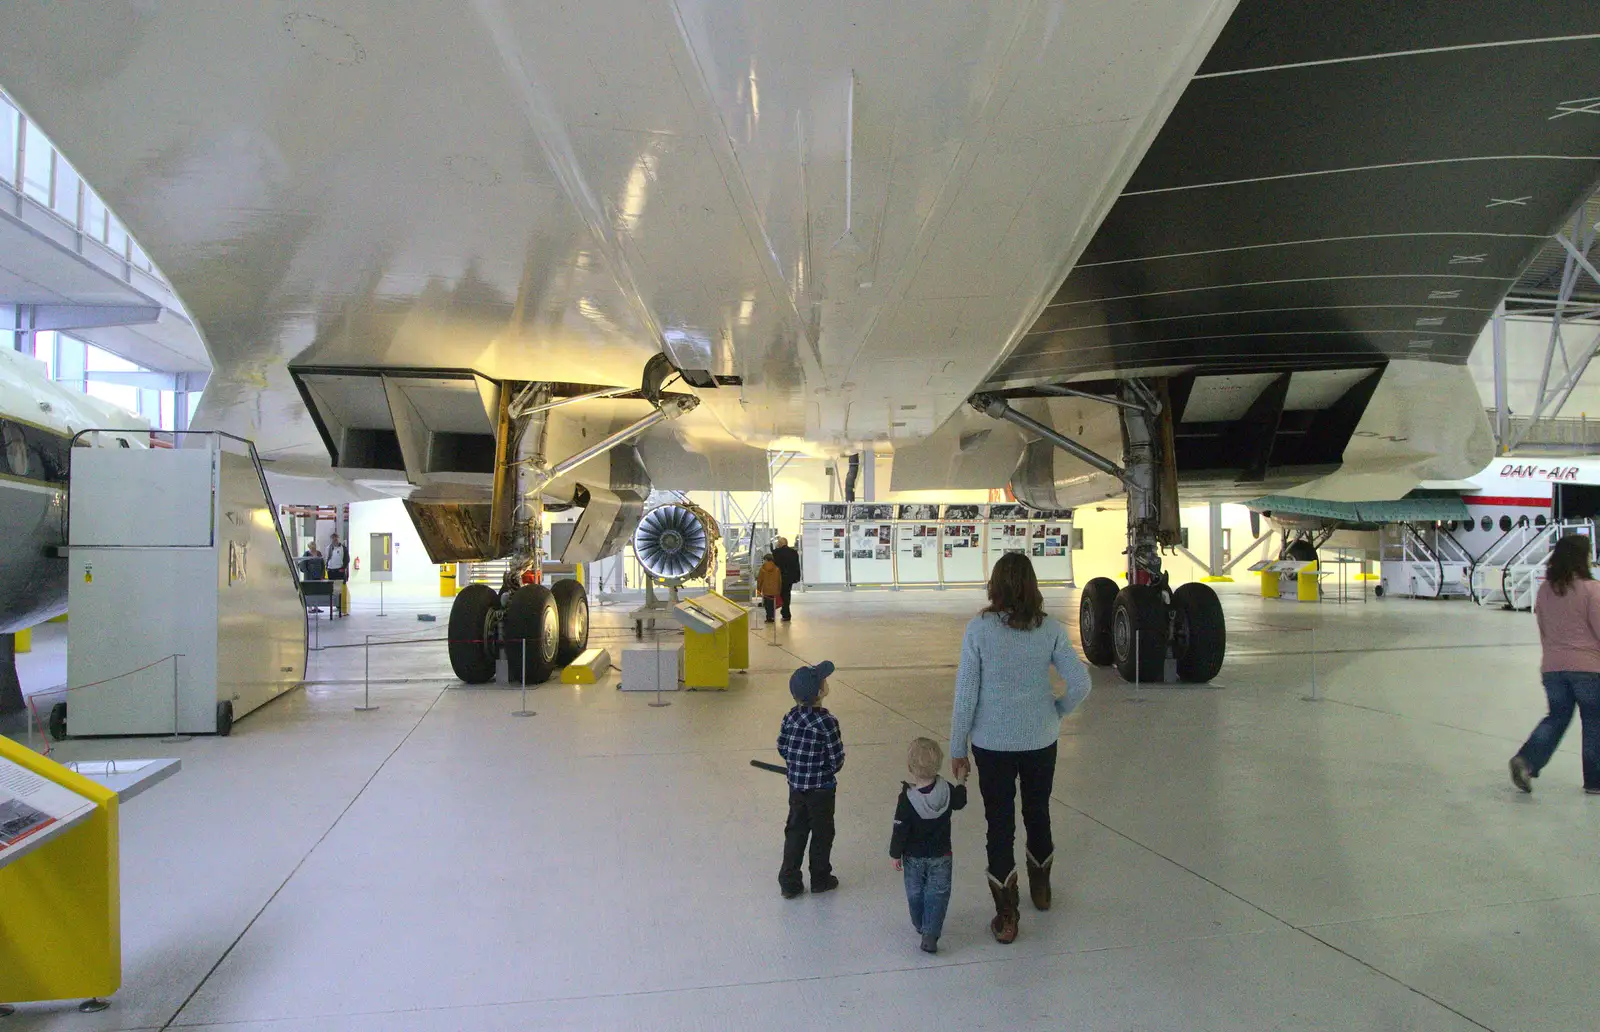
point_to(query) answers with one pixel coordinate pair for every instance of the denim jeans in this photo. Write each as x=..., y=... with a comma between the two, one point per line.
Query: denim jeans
x=1567, y=689
x=927, y=891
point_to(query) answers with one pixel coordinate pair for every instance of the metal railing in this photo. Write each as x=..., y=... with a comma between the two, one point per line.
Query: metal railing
x=1566, y=433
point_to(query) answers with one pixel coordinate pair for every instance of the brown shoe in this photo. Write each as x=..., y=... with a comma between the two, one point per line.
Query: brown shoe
x=1039, y=880
x=1006, y=910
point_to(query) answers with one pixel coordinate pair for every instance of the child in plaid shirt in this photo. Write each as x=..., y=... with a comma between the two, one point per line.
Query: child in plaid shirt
x=811, y=745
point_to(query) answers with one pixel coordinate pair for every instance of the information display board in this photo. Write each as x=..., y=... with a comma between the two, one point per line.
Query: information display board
x=823, y=547
x=917, y=553
x=961, y=544
x=1002, y=536
x=1050, y=548
x=871, y=543
x=33, y=810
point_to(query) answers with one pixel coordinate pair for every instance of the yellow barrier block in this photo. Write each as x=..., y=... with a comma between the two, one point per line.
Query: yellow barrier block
x=1224, y=579
x=22, y=641
x=447, y=580
x=1269, y=584
x=61, y=906
x=58, y=619
x=588, y=668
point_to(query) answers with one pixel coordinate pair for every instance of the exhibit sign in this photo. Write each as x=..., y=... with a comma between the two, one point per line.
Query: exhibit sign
x=33, y=810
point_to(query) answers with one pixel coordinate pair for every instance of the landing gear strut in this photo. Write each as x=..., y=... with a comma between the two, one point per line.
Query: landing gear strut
x=1138, y=627
x=538, y=628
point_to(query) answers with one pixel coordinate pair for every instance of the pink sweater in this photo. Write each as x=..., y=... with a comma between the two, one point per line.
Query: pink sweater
x=1569, y=627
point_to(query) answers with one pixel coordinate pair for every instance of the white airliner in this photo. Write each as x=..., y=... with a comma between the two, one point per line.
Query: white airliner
x=1238, y=247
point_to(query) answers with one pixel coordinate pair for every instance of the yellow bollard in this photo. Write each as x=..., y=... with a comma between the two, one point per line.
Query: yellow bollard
x=22, y=641
x=447, y=580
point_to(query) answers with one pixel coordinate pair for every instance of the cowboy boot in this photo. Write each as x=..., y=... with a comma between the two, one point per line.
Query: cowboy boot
x=1039, y=880
x=1006, y=911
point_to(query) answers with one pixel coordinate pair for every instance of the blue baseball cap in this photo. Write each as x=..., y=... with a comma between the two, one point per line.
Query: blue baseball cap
x=805, y=684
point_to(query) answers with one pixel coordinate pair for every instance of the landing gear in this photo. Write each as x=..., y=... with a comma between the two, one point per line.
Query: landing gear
x=531, y=630
x=1094, y=620
x=1136, y=628
x=572, y=602
x=474, y=633
x=1199, y=633
x=1139, y=633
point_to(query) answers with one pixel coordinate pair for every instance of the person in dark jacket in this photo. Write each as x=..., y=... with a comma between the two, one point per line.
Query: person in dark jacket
x=813, y=747
x=788, y=562
x=920, y=844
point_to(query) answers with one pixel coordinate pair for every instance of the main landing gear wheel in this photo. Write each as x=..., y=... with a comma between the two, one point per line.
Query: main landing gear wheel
x=472, y=652
x=1094, y=620
x=1199, y=634
x=531, y=616
x=1139, y=633
x=58, y=721
x=224, y=718
x=572, y=602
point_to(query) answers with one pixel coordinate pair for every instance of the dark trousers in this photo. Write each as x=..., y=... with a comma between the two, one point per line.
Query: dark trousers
x=1568, y=690
x=788, y=590
x=810, y=816
x=767, y=603
x=998, y=775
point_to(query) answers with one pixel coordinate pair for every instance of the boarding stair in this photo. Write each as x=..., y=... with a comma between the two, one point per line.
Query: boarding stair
x=1509, y=572
x=1424, y=561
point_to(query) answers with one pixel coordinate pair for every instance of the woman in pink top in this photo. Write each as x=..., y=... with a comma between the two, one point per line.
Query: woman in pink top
x=1568, y=609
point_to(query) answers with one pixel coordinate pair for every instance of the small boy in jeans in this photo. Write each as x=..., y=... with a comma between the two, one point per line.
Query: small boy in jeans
x=920, y=844
x=811, y=745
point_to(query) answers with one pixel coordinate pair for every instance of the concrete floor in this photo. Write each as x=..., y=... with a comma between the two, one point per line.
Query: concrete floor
x=1230, y=857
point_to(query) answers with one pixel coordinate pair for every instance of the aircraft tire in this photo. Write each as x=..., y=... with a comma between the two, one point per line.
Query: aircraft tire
x=532, y=616
x=572, y=603
x=224, y=718
x=1199, y=632
x=472, y=654
x=1094, y=620
x=1139, y=633
x=58, y=721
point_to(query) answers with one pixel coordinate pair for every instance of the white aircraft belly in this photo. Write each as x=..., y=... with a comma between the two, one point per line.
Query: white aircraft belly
x=558, y=191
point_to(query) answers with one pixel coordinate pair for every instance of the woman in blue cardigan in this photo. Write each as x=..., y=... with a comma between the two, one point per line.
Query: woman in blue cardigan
x=1006, y=710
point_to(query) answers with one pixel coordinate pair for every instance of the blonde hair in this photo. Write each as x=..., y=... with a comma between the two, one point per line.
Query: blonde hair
x=924, y=757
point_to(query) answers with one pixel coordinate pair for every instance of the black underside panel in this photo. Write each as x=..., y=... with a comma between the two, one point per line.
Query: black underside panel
x=1376, y=205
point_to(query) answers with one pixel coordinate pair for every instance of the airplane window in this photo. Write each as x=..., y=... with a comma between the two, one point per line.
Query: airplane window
x=1539, y=521
x=1505, y=523
x=1522, y=521
x=1487, y=524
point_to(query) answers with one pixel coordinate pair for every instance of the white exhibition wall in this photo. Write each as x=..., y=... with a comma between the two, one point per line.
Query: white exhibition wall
x=414, y=575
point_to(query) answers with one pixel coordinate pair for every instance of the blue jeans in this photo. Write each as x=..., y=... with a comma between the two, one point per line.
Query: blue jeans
x=1567, y=689
x=927, y=891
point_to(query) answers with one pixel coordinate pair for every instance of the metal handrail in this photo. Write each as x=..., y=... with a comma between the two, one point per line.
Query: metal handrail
x=255, y=460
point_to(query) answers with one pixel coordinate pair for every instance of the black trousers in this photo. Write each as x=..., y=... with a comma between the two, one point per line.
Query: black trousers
x=810, y=816
x=998, y=775
x=788, y=590
x=767, y=603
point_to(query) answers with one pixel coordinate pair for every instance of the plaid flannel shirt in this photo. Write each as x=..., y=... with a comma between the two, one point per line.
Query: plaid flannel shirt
x=811, y=744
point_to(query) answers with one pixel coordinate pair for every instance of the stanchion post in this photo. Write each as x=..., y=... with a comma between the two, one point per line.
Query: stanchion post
x=366, y=677
x=176, y=736
x=660, y=702
x=1313, y=696
x=524, y=711
x=1137, y=679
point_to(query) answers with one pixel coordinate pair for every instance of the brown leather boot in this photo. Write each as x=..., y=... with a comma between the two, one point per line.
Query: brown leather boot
x=1039, y=880
x=1006, y=909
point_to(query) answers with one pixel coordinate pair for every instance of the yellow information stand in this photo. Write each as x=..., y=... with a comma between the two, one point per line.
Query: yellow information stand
x=716, y=639
x=1308, y=584
x=60, y=905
